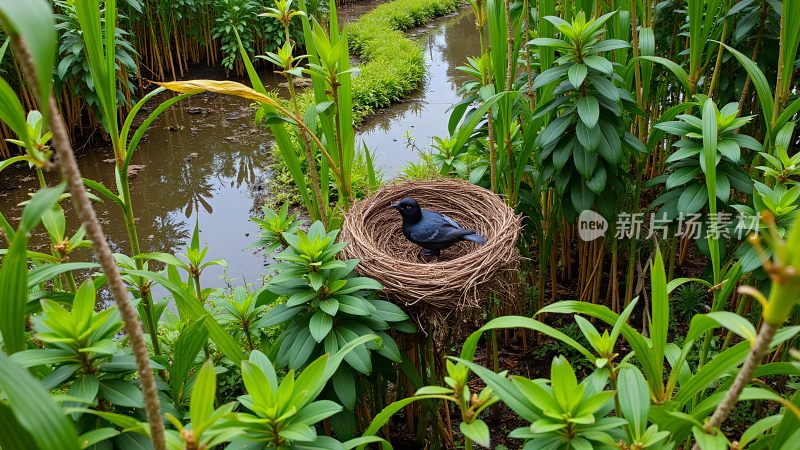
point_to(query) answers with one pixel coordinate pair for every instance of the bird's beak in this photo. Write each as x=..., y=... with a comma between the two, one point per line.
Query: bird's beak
x=394, y=205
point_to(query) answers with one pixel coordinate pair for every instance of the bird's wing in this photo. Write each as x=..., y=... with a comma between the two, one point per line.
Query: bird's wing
x=439, y=218
x=434, y=235
x=437, y=228
x=451, y=221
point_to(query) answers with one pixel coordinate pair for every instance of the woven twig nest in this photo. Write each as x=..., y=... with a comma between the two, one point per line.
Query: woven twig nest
x=464, y=275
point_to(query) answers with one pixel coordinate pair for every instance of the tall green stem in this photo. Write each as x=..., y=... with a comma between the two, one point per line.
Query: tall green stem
x=345, y=197
x=133, y=237
x=312, y=164
x=40, y=175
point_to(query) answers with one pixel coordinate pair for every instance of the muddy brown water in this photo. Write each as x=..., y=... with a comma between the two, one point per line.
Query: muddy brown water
x=205, y=160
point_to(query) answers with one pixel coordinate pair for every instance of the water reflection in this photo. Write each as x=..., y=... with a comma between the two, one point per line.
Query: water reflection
x=202, y=160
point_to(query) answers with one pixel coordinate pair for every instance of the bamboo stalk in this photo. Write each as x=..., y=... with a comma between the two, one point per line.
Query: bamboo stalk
x=754, y=55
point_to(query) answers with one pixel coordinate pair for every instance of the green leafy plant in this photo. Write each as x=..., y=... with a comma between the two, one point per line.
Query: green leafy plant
x=470, y=405
x=235, y=15
x=14, y=269
x=242, y=315
x=34, y=139
x=284, y=413
x=273, y=227
x=100, y=47
x=778, y=195
x=327, y=306
x=289, y=65
x=209, y=426
x=586, y=145
x=689, y=300
x=73, y=68
x=572, y=414
x=194, y=265
x=685, y=183
x=283, y=13
x=28, y=409
x=83, y=356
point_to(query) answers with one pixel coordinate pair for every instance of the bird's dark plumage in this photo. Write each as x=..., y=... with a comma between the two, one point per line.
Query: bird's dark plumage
x=431, y=230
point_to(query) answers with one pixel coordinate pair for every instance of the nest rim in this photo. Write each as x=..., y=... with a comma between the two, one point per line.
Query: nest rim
x=467, y=272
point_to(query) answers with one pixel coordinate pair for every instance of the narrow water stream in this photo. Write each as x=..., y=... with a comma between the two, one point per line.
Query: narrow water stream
x=203, y=160
x=424, y=114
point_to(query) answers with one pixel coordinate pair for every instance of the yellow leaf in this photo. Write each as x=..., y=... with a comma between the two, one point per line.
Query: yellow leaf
x=217, y=87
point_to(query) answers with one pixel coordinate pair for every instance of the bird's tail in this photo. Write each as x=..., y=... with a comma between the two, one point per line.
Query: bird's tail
x=475, y=237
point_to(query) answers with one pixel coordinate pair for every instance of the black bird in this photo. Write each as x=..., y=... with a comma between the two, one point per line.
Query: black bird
x=431, y=230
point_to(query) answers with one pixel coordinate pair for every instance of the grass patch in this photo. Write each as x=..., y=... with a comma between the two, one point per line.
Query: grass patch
x=392, y=65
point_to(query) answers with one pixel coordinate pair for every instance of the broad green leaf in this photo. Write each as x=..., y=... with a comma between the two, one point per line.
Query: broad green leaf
x=705, y=441
x=33, y=22
x=317, y=411
x=203, y=395
x=736, y=323
x=693, y=199
x=471, y=344
x=13, y=436
x=320, y=325
x=710, y=157
x=577, y=74
x=35, y=410
x=439, y=390
x=588, y=110
x=311, y=380
x=599, y=63
x=678, y=71
x=257, y=385
x=185, y=350
x=564, y=383
x=47, y=272
x=504, y=389
x=14, y=270
x=536, y=394
x=477, y=431
x=344, y=384
x=298, y=432
x=760, y=83
x=634, y=398
x=681, y=177
x=97, y=54
x=12, y=113
x=659, y=317
x=96, y=436
x=122, y=393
